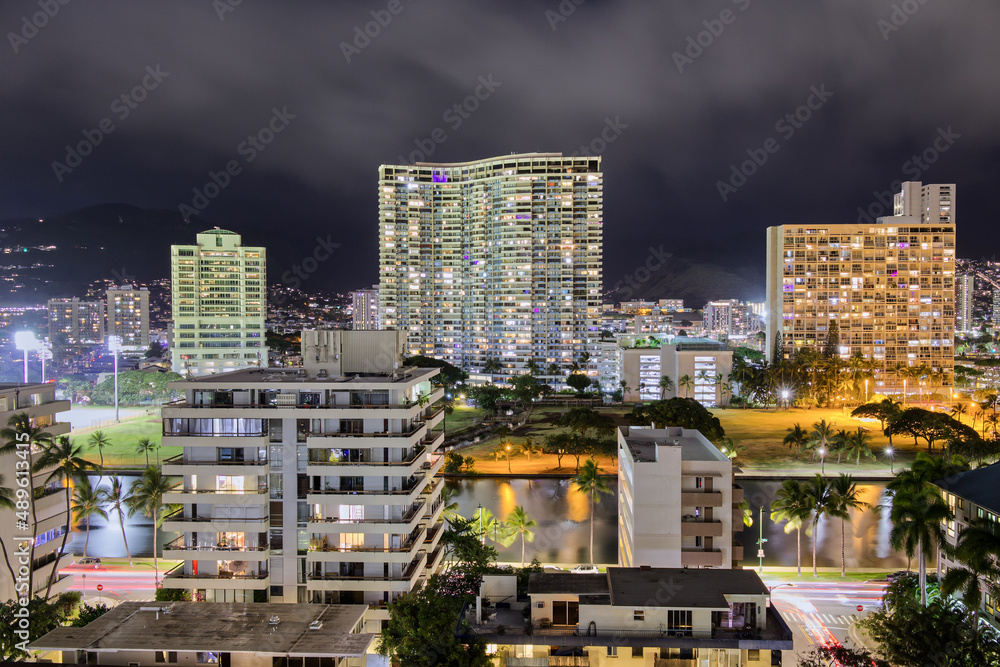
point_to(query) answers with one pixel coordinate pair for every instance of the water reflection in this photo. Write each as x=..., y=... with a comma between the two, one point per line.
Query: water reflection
x=106, y=536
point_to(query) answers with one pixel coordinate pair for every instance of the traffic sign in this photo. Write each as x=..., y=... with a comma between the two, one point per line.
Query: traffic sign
x=100, y=587
x=860, y=608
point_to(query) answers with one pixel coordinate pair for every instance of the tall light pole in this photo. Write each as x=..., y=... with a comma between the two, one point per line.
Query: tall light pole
x=26, y=342
x=760, y=540
x=115, y=345
x=44, y=352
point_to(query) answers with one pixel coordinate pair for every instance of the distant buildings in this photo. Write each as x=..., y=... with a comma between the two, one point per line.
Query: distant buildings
x=671, y=304
x=50, y=511
x=75, y=322
x=996, y=308
x=965, y=294
x=128, y=316
x=730, y=318
x=365, y=309
x=677, y=504
x=495, y=259
x=889, y=287
x=698, y=367
x=219, y=304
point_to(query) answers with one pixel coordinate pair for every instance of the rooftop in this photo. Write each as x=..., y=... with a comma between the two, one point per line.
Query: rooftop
x=263, y=628
x=555, y=583
x=642, y=443
x=298, y=376
x=680, y=587
x=978, y=486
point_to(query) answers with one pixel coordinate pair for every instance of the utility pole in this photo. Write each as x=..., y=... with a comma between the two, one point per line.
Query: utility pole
x=760, y=539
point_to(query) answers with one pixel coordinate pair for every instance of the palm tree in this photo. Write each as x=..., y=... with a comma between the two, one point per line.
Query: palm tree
x=100, y=441
x=7, y=503
x=20, y=430
x=145, y=446
x=86, y=505
x=528, y=447
x=146, y=498
x=492, y=366
x=959, y=410
x=791, y=506
x=845, y=499
x=666, y=384
x=625, y=388
x=68, y=464
x=450, y=511
x=856, y=445
x=917, y=515
x=533, y=367
x=116, y=496
x=819, y=494
x=553, y=370
x=588, y=480
x=978, y=548
x=521, y=524
x=797, y=437
x=820, y=438
x=686, y=382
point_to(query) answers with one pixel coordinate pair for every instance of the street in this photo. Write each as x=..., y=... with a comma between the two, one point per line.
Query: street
x=118, y=582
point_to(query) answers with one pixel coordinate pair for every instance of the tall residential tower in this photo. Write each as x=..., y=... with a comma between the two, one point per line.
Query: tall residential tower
x=493, y=259
x=128, y=316
x=219, y=304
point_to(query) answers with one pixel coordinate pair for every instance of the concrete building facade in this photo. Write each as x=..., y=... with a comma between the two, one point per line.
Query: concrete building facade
x=493, y=259
x=218, y=293
x=965, y=293
x=364, y=304
x=128, y=316
x=707, y=363
x=76, y=322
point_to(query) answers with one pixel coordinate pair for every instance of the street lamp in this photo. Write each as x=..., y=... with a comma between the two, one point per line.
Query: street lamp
x=888, y=452
x=760, y=540
x=866, y=390
x=822, y=460
x=785, y=394
x=44, y=352
x=26, y=342
x=508, y=459
x=115, y=345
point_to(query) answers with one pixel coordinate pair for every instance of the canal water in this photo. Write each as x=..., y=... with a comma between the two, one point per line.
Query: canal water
x=563, y=532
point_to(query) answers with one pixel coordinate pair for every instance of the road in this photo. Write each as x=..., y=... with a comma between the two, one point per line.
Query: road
x=118, y=582
x=822, y=611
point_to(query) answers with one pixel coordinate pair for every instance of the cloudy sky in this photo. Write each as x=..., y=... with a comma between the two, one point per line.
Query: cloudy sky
x=685, y=91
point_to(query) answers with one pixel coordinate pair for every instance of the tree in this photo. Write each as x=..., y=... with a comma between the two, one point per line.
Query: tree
x=819, y=495
x=68, y=464
x=528, y=447
x=7, y=503
x=137, y=388
x=677, y=411
x=845, y=498
x=491, y=366
x=86, y=505
x=558, y=444
x=686, y=383
x=623, y=384
x=856, y=445
x=578, y=446
x=88, y=614
x=487, y=397
x=832, y=340
x=43, y=616
x=792, y=506
x=522, y=525
x=449, y=375
x=115, y=496
x=825, y=656
x=884, y=411
x=916, y=518
x=978, y=548
x=583, y=421
x=820, y=438
x=777, y=348
x=796, y=438
x=504, y=449
x=98, y=440
x=929, y=425
x=666, y=384
x=578, y=381
x=156, y=350
x=145, y=446
x=146, y=498
x=588, y=480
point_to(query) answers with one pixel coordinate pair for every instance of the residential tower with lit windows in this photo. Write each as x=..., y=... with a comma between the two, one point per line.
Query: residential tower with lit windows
x=128, y=316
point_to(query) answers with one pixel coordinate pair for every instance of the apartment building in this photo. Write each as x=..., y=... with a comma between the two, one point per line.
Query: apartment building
x=932, y=203
x=218, y=291
x=889, y=286
x=308, y=485
x=730, y=318
x=128, y=316
x=972, y=497
x=699, y=368
x=677, y=503
x=38, y=402
x=493, y=259
x=76, y=322
x=633, y=616
x=965, y=294
x=365, y=309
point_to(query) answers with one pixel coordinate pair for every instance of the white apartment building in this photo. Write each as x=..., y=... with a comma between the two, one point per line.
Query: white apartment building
x=219, y=304
x=308, y=485
x=890, y=286
x=364, y=306
x=932, y=203
x=128, y=316
x=76, y=322
x=670, y=305
x=493, y=259
x=677, y=503
x=965, y=292
x=707, y=363
x=38, y=402
x=730, y=318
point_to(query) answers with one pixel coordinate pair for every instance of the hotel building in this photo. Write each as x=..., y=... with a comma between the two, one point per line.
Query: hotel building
x=308, y=485
x=75, y=322
x=364, y=304
x=128, y=316
x=219, y=304
x=890, y=286
x=38, y=402
x=493, y=259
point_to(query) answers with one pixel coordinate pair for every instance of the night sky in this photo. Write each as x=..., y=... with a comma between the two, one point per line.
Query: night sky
x=680, y=91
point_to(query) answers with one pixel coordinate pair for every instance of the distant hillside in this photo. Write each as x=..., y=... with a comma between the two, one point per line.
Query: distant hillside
x=694, y=281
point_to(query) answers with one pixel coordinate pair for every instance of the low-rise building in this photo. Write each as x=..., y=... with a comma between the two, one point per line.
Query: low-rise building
x=698, y=367
x=637, y=616
x=154, y=634
x=677, y=503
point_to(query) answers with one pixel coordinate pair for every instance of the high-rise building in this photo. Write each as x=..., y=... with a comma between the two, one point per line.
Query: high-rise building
x=493, y=259
x=75, y=322
x=889, y=286
x=50, y=512
x=996, y=308
x=313, y=484
x=365, y=308
x=219, y=304
x=965, y=292
x=929, y=203
x=730, y=317
x=128, y=316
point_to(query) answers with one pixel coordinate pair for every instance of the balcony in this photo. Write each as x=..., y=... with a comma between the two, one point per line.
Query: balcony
x=352, y=440
x=216, y=497
x=256, y=581
x=737, y=494
x=404, y=525
x=178, y=465
x=337, y=582
x=701, y=558
x=701, y=528
x=701, y=499
x=215, y=440
x=404, y=553
x=179, y=549
x=179, y=523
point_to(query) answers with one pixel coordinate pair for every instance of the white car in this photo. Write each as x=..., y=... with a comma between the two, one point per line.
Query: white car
x=89, y=560
x=585, y=569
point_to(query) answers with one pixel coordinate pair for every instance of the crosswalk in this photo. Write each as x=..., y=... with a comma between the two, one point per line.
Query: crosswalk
x=829, y=620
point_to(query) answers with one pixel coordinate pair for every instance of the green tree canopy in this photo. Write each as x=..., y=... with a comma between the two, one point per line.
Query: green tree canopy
x=677, y=411
x=136, y=388
x=450, y=375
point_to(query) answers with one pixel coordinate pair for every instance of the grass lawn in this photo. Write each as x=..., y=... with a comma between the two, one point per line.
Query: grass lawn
x=462, y=417
x=123, y=438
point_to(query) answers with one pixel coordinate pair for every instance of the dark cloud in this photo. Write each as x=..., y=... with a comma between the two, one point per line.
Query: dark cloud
x=558, y=89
